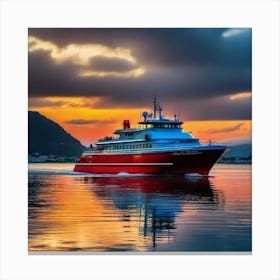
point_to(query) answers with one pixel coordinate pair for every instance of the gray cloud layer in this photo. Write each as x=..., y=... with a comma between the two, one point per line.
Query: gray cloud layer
x=191, y=68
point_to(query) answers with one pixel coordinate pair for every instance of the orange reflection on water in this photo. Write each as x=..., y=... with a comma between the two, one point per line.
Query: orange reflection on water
x=236, y=188
x=75, y=212
x=78, y=219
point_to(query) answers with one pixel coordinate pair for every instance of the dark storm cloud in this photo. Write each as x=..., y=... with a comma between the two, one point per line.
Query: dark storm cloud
x=110, y=64
x=214, y=108
x=181, y=65
x=161, y=46
x=81, y=121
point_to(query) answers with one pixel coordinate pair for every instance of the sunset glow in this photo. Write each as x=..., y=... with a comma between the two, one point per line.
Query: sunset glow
x=90, y=80
x=88, y=123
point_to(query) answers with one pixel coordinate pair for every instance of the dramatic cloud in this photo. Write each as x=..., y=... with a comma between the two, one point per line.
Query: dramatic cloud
x=84, y=54
x=203, y=72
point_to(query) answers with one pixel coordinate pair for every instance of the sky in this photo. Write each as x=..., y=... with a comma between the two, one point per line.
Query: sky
x=89, y=80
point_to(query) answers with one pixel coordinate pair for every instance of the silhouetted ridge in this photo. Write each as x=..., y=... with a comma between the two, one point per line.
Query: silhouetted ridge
x=48, y=138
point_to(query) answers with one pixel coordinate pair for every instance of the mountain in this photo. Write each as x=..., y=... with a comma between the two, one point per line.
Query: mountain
x=46, y=137
x=239, y=151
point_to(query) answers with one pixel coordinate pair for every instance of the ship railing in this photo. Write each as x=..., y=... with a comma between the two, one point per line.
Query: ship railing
x=209, y=142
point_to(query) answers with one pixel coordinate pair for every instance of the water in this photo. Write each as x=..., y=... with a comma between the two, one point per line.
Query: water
x=69, y=211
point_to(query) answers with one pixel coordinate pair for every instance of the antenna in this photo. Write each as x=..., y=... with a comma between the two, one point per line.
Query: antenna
x=155, y=106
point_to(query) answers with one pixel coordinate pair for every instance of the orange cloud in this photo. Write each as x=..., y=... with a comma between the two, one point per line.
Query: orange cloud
x=240, y=95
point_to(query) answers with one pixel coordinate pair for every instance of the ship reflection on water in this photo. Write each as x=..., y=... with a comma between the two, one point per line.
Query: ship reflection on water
x=98, y=214
x=154, y=201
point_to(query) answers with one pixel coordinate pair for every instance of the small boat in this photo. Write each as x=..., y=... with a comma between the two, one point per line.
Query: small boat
x=158, y=146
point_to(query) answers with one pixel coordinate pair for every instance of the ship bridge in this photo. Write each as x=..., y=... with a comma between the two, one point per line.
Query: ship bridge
x=160, y=123
x=154, y=131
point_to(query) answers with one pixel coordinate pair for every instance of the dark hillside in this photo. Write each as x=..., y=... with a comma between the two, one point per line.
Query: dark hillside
x=46, y=137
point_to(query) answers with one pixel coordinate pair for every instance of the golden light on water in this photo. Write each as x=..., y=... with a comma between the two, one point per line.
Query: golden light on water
x=96, y=214
x=79, y=219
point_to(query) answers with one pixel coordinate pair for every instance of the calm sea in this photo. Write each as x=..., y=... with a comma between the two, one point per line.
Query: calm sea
x=68, y=211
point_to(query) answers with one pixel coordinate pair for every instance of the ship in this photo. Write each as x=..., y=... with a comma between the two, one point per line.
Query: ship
x=157, y=146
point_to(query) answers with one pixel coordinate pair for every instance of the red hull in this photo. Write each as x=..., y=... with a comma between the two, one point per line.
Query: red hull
x=200, y=161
